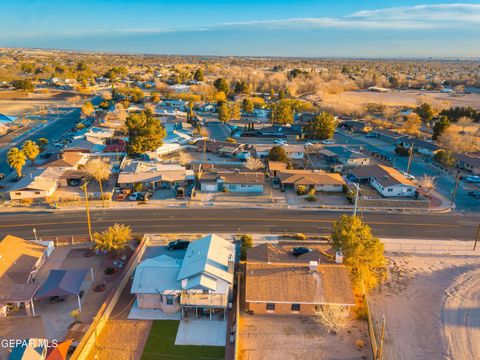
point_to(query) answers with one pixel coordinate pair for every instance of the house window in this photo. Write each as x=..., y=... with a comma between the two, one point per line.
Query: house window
x=295, y=307
x=37, y=192
x=409, y=189
x=389, y=189
x=270, y=307
x=170, y=300
x=18, y=193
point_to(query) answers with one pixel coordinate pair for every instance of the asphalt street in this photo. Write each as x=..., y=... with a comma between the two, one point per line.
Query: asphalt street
x=460, y=227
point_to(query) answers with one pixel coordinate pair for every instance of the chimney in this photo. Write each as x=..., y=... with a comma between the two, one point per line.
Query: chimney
x=231, y=264
x=339, y=257
x=313, y=265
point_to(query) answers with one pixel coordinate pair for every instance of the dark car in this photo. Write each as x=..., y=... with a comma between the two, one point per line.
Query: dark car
x=297, y=251
x=2, y=176
x=178, y=245
x=475, y=194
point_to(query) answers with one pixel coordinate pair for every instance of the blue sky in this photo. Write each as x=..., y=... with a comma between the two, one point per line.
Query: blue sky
x=342, y=28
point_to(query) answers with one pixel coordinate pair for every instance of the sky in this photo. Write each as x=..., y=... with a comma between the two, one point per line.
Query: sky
x=304, y=28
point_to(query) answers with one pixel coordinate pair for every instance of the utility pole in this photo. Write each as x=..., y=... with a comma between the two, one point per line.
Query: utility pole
x=410, y=156
x=84, y=188
x=454, y=192
x=382, y=336
x=356, y=199
x=477, y=237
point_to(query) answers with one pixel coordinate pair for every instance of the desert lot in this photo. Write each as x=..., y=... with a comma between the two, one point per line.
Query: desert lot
x=431, y=306
x=405, y=98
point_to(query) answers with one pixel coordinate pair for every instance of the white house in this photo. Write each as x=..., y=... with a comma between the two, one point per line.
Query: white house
x=201, y=281
x=295, y=152
x=39, y=184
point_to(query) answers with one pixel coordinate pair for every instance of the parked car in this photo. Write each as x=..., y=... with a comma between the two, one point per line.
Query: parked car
x=475, y=194
x=123, y=194
x=136, y=196
x=408, y=176
x=178, y=245
x=297, y=251
x=328, y=142
x=280, y=141
x=473, y=179
x=2, y=176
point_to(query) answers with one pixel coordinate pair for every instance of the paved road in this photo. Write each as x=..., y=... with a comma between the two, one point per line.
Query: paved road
x=235, y=220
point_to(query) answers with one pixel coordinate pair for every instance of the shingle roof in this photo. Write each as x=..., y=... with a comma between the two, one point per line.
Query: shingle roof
x=385, y=175
x=39, y=179
x=155, y=275
x=277, y=280
x=243, y=178
x=309, y=177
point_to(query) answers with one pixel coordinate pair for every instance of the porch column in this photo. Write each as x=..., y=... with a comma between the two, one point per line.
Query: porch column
x=182, y=313
x=32, y=307
x=196, y=312
x=210, y=313
x=79, y=303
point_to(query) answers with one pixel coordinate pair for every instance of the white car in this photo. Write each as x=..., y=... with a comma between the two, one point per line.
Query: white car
x=328, y=142
x=408, y=176
x=279, y=141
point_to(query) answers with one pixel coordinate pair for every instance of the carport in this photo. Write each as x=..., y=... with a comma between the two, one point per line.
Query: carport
x=63, y=283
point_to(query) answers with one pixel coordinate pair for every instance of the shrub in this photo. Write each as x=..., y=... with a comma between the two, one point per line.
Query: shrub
x=359, y=343
x=300, y=236
x=109, y=271
x=402, y=151
x=246, y=242
x=301, y=190
x=231, y=140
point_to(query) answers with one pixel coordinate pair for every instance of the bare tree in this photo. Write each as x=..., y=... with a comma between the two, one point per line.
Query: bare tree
x=428, y=183
x=184, y=158
x=332, y=317
x=464, y=121
x=254, y=164
x=99, y=170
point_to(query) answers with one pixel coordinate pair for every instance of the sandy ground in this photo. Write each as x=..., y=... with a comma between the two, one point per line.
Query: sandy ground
x=405, y=98
x=282, y=337
x=430, y=303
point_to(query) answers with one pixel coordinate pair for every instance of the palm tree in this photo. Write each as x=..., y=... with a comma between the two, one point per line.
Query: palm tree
x=428, y=183
x=16, y=159
x=254, y=164
x=99, y=170
x=31, y=150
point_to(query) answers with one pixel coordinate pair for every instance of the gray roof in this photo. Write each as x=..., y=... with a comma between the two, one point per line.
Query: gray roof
x=62, y=283
x=156, y=275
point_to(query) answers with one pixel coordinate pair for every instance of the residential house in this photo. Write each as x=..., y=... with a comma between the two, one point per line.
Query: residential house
x=311, y=179
x=421, y=146
x=469, y=162
x=295, y=152
x=262, y=151
x=280, y=131
x=38, y=184
x=386, y=180
x=276, y=282
x=219, y=147
x=67, y=161
x=20, y=260
x=201, y=281
x=343, y=155
x=357, y=126
x=275, y=167
x=389, y=136
x=175, y=104
x=154, y=175
x=232, y=181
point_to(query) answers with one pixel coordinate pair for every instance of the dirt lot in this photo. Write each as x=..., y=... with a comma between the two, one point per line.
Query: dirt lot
x=294, y=337
x=431, y=307
x=404, y=98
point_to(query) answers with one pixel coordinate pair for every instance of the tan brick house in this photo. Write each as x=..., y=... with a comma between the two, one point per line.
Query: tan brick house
x=279, y=283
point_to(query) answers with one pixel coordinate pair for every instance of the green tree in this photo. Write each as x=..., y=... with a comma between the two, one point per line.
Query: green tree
x=88, y=109
x=241, y=87
x=42, y=144
x=247, y=106
x=16, y=159
x=100, y=171
x=222, y=85
x=224, y=113
x=235, y=110
x=412, y=124
x=198, y=76
x=155, y=96
x=362, y=251
x=322, y=127
x=445, y=158
x=425, y=112
x=282, y=112
x=31, y=150
x=145, y=133
x=114, y=238
x=136, y=95
x=81, y=66
x=27, y=68
x=440, y=126
x=277, y=153
x=25, y=85
x=246, y=242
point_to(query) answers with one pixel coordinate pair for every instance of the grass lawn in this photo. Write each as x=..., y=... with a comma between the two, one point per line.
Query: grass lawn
x=161, y=345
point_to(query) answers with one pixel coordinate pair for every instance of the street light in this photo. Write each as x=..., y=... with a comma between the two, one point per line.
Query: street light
x=356, y=198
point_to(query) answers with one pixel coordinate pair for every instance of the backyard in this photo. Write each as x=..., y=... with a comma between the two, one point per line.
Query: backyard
x=161, y=344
